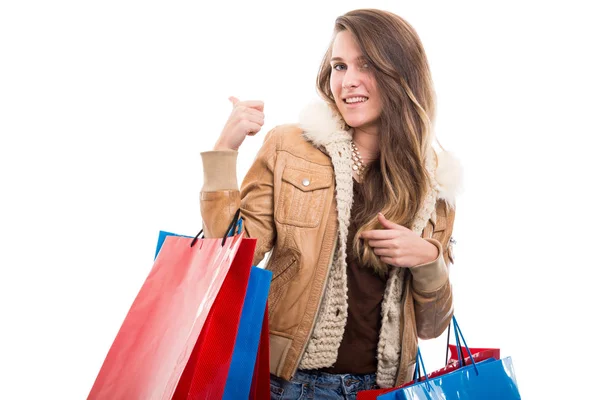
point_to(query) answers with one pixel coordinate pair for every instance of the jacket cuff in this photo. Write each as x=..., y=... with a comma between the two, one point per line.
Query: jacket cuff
x=220, y=170
x=431, y=276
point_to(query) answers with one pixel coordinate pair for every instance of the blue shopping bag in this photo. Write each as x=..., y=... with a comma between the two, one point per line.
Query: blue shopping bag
x=490, y=379
x=241, y=371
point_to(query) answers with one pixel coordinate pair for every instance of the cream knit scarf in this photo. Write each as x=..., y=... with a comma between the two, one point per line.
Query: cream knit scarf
x=325, y=130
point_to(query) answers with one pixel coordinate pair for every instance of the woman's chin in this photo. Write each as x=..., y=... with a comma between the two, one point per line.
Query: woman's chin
x=358, y=123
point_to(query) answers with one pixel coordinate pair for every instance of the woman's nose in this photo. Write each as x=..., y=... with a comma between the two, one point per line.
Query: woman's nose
x=347, y=84
x=351, y=79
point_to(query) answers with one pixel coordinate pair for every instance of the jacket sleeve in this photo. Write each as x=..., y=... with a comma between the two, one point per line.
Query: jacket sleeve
x=432, y=291
x=220, y=197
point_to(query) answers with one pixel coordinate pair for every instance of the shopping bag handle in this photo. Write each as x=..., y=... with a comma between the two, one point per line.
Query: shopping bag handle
x=236, y=222
x=422, y=365
x=458, y=332
x=417, y=377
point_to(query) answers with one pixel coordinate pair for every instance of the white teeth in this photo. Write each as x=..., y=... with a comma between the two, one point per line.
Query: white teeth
x=356, y=100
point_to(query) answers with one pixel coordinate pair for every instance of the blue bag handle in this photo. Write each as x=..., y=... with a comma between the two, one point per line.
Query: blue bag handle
x=458, y=345
x=420, y=361
x=458, y=335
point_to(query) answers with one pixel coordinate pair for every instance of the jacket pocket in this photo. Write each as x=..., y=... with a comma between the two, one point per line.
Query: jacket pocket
x=283, y=272
x=302, y=196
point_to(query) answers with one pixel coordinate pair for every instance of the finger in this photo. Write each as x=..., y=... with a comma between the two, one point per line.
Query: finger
x=255, y=104
x=379, y=234
x=387, y=260
x=234, y=100
x=389, y=244
x=388, y=224
x=386, y=252
x=252, y=128
x=252, y=111
x=257, y=119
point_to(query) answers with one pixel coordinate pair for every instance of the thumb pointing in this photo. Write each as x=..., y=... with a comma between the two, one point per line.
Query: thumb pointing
x=234, y=100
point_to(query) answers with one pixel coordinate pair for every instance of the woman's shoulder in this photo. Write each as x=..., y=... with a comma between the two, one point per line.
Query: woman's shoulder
x=291, y=139
x=317, y=124
x=284, y=136
x=287, y=131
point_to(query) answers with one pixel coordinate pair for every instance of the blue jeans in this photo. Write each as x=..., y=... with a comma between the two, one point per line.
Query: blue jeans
x=319, y=385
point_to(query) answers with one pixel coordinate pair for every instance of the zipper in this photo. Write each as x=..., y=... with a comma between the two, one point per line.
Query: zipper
x=314, y=322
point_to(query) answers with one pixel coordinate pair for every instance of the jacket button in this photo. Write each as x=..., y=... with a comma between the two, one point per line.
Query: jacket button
x=305, y=182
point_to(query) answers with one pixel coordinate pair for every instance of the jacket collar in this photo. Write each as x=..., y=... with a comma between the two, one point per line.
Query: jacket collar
x=325, y=129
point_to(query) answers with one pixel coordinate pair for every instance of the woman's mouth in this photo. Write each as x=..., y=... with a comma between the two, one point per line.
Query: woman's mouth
x=355, y=100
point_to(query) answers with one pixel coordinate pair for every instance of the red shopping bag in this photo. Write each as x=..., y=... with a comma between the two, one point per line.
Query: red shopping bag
x=479, y=354
x=372, y=394
x=205, y=374
x=162, y=327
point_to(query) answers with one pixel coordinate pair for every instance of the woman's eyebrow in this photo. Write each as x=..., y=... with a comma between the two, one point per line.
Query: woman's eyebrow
x=336, y=59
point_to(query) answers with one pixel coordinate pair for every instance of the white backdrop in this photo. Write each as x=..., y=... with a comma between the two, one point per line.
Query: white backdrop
x=105, y=106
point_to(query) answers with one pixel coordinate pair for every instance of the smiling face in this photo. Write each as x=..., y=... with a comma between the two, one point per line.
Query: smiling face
x=353, y=84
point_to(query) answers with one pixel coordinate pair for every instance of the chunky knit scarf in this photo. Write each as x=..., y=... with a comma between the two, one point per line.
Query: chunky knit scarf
x=326, y=131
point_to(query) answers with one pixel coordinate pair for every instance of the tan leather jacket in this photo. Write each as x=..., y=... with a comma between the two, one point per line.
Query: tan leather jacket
x=289, y=203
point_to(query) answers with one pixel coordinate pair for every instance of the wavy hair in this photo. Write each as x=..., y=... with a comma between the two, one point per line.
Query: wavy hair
x=396, y=183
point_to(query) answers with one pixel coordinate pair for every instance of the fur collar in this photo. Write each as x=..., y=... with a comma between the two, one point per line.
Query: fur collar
x=323, y=127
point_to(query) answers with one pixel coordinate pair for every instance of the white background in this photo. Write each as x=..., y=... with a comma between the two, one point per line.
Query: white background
x=105, y=106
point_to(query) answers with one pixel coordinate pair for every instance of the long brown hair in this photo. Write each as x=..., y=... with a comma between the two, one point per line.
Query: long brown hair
x=397, y=182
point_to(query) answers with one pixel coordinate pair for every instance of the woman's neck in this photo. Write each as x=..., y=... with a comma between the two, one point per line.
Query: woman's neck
x=367, y=142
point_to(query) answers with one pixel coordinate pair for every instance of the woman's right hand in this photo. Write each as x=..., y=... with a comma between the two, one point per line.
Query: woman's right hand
x=246, y=119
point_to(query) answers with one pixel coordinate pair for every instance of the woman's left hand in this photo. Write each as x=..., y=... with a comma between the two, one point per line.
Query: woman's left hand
x=399, y=246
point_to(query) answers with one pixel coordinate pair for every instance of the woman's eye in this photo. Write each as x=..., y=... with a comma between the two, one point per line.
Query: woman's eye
x=365, y=65
x=339, y=67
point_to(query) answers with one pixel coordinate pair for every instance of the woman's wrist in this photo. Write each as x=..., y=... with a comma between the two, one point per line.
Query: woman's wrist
x=430, y=252
x=220, y=146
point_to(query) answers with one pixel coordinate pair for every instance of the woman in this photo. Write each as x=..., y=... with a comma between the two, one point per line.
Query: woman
x=354, y=206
